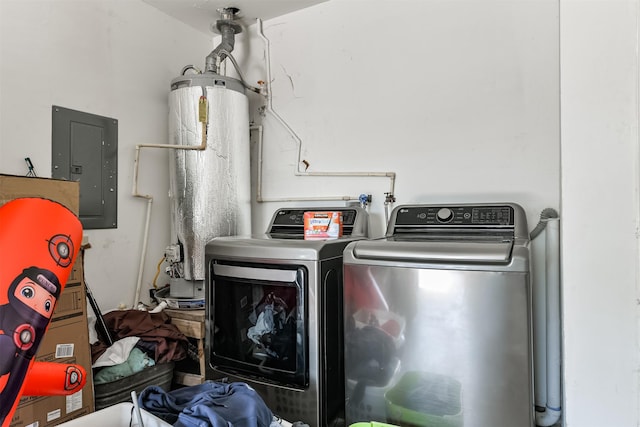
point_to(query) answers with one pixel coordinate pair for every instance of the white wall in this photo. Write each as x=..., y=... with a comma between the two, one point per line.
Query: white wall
x=460, y=99
x=599, y=68
x=111, y=58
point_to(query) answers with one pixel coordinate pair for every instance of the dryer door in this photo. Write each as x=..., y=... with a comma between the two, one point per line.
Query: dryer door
x=259, y=322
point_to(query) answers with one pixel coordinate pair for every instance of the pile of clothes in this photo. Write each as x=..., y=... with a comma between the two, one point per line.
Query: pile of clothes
x=212, y=403
x=141, y=339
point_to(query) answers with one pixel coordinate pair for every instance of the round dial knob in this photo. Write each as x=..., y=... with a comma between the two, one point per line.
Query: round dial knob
x=445, y=215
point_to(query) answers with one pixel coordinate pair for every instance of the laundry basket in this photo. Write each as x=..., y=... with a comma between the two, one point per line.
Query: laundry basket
x=425, y=399
x=120, y=415
x=110, y=393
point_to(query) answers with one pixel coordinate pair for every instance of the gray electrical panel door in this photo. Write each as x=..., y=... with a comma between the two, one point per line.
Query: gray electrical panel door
x=85, y=149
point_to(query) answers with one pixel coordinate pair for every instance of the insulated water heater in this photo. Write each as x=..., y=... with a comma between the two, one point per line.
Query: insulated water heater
x=209, y=191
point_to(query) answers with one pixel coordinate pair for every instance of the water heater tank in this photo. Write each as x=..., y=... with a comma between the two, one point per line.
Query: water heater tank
x=210, y=190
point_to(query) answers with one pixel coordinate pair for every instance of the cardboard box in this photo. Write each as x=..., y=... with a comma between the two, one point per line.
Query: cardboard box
x=322, y=225
x=72, y=304
x=64, y=192
x=67, y=338
x=66, y=341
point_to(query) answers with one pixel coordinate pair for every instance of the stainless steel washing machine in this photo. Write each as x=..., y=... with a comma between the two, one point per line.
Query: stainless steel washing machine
x=274, y=314
x=438, y=319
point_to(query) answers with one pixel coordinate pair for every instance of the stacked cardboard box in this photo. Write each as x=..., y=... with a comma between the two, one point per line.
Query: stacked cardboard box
x=67, y=339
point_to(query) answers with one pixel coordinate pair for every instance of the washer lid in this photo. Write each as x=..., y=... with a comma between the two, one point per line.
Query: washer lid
x=438, y=251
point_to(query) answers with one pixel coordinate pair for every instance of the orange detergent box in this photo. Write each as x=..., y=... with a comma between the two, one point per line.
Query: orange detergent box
x=322, y=225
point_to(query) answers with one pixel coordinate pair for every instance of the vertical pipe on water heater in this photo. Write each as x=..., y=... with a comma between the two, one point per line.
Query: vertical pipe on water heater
x=149, y=199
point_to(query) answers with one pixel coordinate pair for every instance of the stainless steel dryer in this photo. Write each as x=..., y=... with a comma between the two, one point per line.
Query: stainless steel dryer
x=274, y=314
x=438, y=319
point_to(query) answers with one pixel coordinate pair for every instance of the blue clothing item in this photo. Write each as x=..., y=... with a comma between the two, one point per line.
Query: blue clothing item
x=209, y=404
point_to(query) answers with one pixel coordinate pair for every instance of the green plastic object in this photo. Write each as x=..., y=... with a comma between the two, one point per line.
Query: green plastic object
x=425, y=399
x=372, y=424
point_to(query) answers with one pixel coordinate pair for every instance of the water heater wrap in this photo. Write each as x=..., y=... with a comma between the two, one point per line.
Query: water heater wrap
x=210, y=190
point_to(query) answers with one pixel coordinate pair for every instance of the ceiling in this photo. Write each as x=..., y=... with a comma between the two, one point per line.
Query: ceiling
x=200, y=14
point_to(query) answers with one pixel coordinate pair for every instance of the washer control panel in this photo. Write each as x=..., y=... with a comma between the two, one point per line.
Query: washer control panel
x=491, y=216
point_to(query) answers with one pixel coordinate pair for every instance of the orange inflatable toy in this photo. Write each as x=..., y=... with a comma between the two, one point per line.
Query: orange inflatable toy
x=39, y=242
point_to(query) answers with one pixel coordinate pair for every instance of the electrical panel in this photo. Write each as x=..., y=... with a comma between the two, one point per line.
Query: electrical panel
x=85, y=149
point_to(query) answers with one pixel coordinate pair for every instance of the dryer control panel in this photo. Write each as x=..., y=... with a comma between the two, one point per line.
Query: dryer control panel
x=290, y=221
